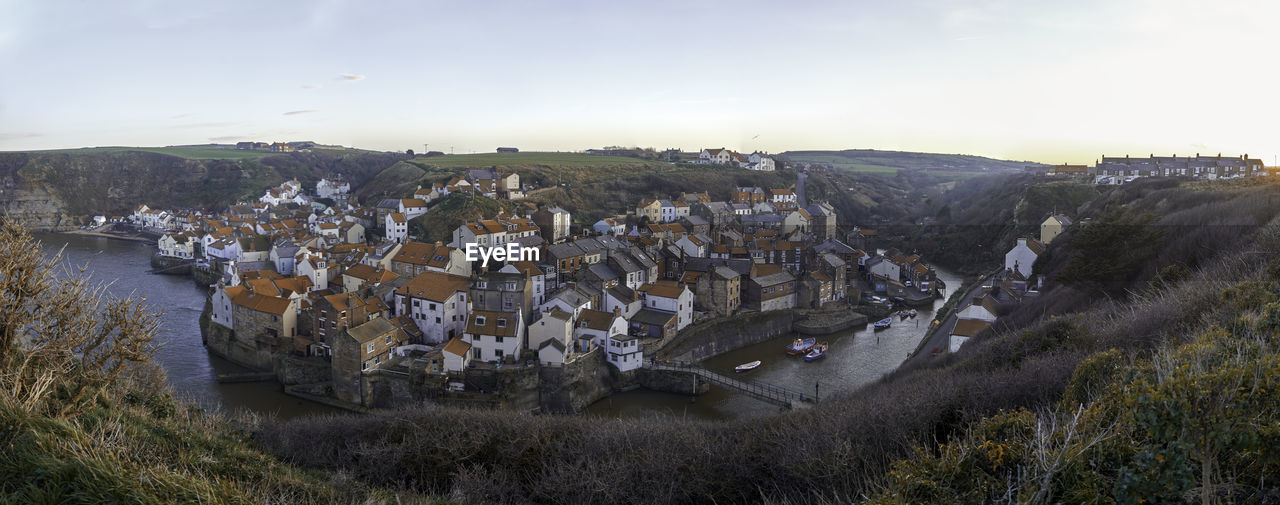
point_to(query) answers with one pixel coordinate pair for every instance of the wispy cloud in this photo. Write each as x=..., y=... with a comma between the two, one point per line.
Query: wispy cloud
x=311, y=86
x=350, y=77
x=19, y=135
x=228, y=138
x=296, y=112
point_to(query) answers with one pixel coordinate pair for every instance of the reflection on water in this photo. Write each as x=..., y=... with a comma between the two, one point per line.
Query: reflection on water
x=191, y=369
x=856, y=357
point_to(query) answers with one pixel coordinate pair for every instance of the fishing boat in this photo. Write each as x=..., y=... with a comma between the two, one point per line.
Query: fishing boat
x=884, y=323
x=913, y=313
x=747, y=366
x=903, y=315
x=817, y=352
x=801, y=346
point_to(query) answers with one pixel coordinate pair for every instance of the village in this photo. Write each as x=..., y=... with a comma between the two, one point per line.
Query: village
x=338, y=300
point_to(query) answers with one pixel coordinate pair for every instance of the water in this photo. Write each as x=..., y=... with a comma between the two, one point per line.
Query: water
x=857, y=356
x=192, y=370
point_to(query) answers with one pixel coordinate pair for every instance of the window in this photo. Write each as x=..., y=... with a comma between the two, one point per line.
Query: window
x=388, y=342
x=437, y=320
x=370, y=347
x=431, y=306
x=497, y=353
x=480, y=320
x=502, y=322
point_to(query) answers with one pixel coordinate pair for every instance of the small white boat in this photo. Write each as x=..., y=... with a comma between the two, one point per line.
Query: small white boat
x=747, y=366
x=884, y=323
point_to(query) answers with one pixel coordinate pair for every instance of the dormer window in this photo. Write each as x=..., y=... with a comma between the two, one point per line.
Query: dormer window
x=480, y=320
x=502, y=322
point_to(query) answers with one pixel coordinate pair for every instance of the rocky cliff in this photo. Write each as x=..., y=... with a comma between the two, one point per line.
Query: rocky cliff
x=59, y=191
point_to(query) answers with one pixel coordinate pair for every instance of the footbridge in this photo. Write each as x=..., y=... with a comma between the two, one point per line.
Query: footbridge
x=770, y=393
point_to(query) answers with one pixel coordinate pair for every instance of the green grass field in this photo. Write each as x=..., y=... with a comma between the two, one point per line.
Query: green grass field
x=568, y=160
x=191, y=153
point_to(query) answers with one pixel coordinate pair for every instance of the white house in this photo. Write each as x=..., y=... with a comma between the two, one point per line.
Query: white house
x=495, y=336
x=720, y=156
x=695, y=246
x=609, y=226
x=397, y=227
x=313, y=266
x=329, y=189
x=1023, y=255
x=625, y=352
x=177, y=245
x=457, y=355
x=964, y=330
x=220, y=301
x=669, y=296
x=593, y=328
x=437, y=304
x=552, y=337
x=413, y=207
x=884, y=268
x=984, y=309
x=758, y=161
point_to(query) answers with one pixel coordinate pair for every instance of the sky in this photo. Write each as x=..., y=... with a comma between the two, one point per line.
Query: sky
x=1048, y=81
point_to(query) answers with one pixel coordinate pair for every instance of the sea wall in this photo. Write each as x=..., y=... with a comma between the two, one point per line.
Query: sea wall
x=669, y=381
x=224, y=342
x=574, y=386
x=721, y=335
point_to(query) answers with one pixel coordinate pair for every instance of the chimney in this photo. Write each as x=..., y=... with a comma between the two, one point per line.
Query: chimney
x=617, y=311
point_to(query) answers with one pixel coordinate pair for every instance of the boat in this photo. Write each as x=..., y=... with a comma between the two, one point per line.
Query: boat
x=747, y=366
x=884, y=323
x=801, y=346
x=817, y=352
x=912, y=313
x=903, y=315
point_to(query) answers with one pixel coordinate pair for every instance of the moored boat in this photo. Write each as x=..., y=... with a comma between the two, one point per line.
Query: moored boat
x=817, y=352
x=747, y=366
x=884, y=323
x=903, y=315
x=801, y=345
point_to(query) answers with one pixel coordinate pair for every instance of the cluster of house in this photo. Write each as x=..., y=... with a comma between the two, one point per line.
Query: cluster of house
x=750, y=207
x=276, y=147
x=722, y=156
x=1117, y=170
x=351, y=287
x=1008, y=287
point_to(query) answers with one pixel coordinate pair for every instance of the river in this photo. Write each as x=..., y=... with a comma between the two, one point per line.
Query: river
x=191, y=369
x=857, y=356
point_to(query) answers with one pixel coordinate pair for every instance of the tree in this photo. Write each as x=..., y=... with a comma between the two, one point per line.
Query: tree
x=409, y=152
x=62, y=340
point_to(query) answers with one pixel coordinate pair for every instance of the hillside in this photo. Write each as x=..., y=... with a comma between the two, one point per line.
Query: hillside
x=86, y=418
x=591, y=187
x=1052, y=356
x=890, y=162
x=60, y=190
x=970, y=225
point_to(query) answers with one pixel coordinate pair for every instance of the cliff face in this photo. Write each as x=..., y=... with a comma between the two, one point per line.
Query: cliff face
x=62, y=191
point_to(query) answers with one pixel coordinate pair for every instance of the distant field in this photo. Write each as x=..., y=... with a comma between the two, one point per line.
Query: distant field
x=568, y=160
x=191, y=153
x=889, y=162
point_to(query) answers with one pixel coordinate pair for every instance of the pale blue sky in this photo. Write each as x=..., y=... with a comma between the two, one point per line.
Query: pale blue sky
x=1046, y=81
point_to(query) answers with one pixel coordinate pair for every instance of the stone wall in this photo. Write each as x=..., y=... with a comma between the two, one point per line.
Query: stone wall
x=292, y=370
x=717, y=336
x=574, y=386
x=667, y=381
x=225, y=343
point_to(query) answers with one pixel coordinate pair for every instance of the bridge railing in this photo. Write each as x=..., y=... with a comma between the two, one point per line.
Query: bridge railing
x=748, y=386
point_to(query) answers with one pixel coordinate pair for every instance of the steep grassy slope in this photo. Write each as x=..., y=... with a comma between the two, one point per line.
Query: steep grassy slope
x=890, y=162
x=591, y=187
x=977, y=221
x=844, y=447
x=59, y=191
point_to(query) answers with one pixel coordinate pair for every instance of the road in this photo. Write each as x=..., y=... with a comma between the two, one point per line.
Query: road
x=941, y=337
